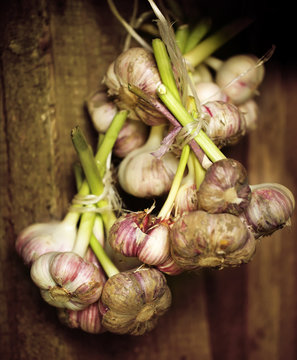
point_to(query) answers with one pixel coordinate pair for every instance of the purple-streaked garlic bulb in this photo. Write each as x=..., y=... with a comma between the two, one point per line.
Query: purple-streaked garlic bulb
x=250, y=111
x=143, y=175
x=225, y=188
x=66, y=280
x=209, y=91
x=270, y=209
x=141, y=235
x=239, y=77
x=137, y=67
x=132, y=136
x=101, y=110
x=40, y=238
x=225, y=124
x=132, y=301
x=200, y=239
x=170, y=267
x=88, y=319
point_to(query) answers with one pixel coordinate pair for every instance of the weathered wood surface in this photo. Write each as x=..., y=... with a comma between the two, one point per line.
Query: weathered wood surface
x=53, y=55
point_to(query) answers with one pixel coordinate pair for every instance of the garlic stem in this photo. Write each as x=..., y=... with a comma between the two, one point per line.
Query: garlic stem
x=196, y=35
x=181, y=36
x=182, y=115
x=213, y=62
x=198, y=169
x=128, y=27
x=91, y=172
x=215, y=41
x=109, y=140
x=164, y=67
x=167, y=206
x=101, y=255
x=84, y=233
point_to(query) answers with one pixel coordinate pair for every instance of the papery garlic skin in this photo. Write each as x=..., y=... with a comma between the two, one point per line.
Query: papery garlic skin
x=41, y=238
x=140, y=235
x=250, y=111
x=101, y=110
x=170, y=267
x=200, y=239
x=224, y=188
x=88, y=319
x=186, y=199
x=225, y=124
x=133, y=135
x=239, y=77
x=209, y=91
x=137, y=67
x=132, y=301
x=66, y=280
x=146, y=176
x=270, y=209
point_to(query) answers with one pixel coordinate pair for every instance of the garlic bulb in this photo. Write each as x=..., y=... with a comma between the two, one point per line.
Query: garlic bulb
x=101, y=110
x=143, y=175
x=225, y=124
x=270, y=209
x=224, y=188
x=137, y=67
x=132, y=301
x=250, y=111
x=88, y=319
x=66, y=280
x=200, y=239
x=239, y=77
x=140, y=235
x=132, y=136
x=40, y=238
x=209, y=91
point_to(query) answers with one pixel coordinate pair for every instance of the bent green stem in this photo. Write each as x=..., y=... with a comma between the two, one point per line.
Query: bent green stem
x=215, y=41
x=182, y=115
x=168, y=204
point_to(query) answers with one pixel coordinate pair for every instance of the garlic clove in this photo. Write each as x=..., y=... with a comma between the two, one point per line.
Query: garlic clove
x=200, y=239
x=88, y=319
x=224, y=188
x=132, y=301
x=140, y=235
x=67, y=280
x=40, y=238
x=270, y=209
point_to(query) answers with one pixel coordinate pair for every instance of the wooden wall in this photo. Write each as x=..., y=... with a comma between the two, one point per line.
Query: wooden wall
x=53, y=55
